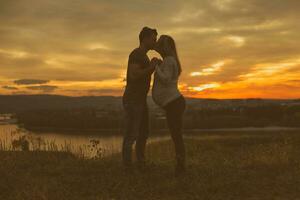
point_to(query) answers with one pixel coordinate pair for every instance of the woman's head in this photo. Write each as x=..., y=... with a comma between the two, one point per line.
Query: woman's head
x=165, y=46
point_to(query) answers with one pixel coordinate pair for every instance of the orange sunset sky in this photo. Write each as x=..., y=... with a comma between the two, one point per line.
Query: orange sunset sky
x=228, y=48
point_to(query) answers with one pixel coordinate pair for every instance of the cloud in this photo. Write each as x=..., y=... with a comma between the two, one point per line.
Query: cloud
x=87, y=41
x=9, y=87
x=237, y=41
x=213, y=69
x=251, y=90
x=44, y=88
x=294, y=81
x=204, y=87
x=104, y=92
x=20, y=93
x=96, y=92
x=265, y=70
x=30, y=81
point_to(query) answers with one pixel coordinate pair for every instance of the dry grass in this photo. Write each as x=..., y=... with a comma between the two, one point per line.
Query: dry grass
x=229, y=168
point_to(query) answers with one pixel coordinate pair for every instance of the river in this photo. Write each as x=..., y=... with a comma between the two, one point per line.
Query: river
x=82, y=143
x=79, y=143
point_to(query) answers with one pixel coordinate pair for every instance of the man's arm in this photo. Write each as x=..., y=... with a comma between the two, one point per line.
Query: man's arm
x=136, y=72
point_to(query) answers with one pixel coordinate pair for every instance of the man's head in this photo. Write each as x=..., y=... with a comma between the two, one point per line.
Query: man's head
x=148, y=37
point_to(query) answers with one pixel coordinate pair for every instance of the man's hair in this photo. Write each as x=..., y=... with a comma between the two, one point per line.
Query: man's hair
x=146, y=32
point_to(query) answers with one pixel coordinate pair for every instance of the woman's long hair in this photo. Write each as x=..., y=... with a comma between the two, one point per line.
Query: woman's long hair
x=169, y=48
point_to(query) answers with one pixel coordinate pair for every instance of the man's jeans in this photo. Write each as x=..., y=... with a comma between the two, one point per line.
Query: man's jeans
x=136, y=130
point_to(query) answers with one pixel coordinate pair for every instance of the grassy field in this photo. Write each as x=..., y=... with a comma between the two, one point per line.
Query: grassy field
x=224, y=168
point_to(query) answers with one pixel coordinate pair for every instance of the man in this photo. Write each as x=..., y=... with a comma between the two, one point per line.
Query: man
x=138, y=79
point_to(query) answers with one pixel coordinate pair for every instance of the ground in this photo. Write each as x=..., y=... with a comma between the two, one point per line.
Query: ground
x=240, y=167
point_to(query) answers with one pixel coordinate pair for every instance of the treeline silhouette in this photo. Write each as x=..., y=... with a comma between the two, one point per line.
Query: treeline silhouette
x=195, y=118
x=257, y=116
x=106, y=112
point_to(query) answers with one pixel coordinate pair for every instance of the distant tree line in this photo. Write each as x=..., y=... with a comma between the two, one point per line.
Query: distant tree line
x=257, y=116
x=233, y=117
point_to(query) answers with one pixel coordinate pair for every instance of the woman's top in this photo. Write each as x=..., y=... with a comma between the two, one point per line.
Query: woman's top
x=165, y=86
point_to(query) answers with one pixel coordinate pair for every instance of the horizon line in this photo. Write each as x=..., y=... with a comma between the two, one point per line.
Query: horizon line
x=251, y=98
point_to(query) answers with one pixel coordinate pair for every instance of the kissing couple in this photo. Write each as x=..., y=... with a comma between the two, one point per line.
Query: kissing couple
x=165, y=94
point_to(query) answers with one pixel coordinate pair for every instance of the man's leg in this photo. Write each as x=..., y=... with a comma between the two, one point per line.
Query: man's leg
x=143, y=136
x=132, y=126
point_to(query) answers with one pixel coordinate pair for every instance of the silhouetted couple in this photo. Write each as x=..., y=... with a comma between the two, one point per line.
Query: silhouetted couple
x=165, y=94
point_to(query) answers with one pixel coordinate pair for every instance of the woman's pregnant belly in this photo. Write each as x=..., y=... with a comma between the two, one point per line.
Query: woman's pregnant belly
x=162, y=94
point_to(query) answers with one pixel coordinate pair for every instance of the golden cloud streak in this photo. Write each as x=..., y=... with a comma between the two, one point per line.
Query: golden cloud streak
x=204, y=87
x=214, y=68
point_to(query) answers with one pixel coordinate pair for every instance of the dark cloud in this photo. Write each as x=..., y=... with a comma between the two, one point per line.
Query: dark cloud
x=44, y=88
x=20, y=93
x=30, y=81
x=9, y=87
x=97, y=92
x=294, y=81
x=10, y=61
x=105, y=91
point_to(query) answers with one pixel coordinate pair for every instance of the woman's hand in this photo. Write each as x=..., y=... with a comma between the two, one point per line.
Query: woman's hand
x=156, y=61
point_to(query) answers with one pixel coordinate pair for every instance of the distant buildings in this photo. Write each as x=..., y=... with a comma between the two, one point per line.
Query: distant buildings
x=7, y=118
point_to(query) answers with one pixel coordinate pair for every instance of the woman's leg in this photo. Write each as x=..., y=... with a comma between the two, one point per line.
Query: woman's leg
x=174, y=114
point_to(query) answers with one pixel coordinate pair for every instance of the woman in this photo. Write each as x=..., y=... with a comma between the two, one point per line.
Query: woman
x=165, y=93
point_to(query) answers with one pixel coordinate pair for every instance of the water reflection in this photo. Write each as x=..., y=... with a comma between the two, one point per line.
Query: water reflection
x=81, y=144
x=78, y=144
